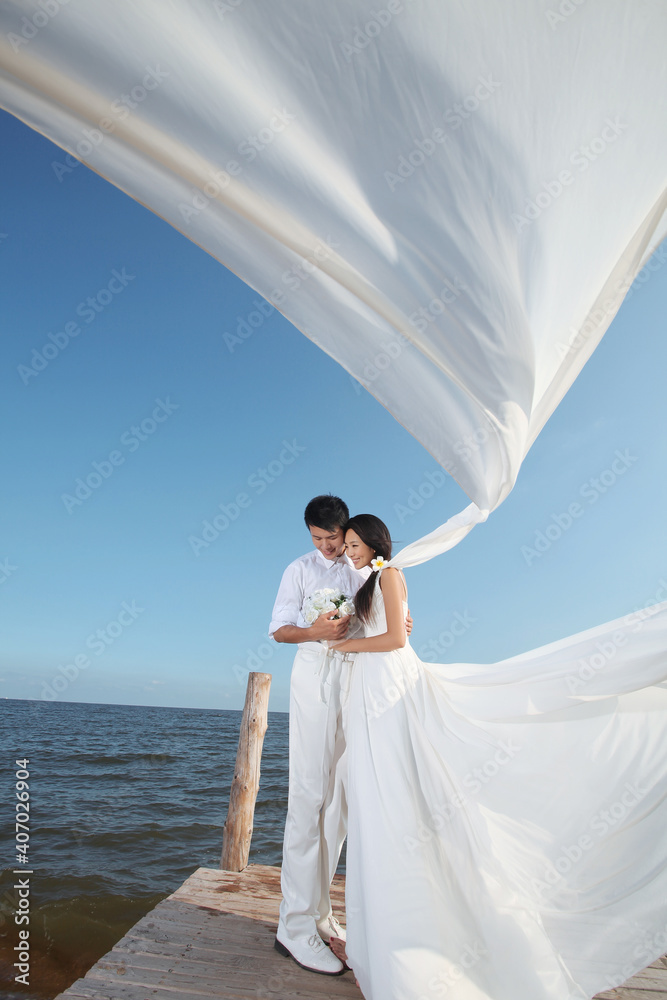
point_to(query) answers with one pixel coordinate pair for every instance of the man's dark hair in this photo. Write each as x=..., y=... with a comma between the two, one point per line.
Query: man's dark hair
x=327, y=512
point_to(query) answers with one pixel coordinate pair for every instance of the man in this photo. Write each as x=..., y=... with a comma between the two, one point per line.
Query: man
x=317, y=809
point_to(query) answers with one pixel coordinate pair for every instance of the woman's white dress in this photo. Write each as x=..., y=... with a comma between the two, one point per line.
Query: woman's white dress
x=506, y=839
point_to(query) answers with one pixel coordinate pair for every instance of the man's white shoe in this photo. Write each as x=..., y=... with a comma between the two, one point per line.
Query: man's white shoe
x=330, y=928
x=312, y=954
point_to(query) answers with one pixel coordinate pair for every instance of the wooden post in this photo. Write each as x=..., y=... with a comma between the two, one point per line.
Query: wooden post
x=237, y=831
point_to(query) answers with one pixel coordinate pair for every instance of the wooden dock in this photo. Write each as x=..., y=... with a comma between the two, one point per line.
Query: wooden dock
x=214, y=936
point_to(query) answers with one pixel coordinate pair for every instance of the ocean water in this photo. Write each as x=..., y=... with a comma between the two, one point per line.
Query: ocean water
x=125, y=803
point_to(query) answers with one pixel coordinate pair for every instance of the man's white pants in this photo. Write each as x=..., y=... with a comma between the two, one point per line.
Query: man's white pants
x=316, y=821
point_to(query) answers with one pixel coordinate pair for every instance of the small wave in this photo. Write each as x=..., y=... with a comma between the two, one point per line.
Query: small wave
x=85, y=759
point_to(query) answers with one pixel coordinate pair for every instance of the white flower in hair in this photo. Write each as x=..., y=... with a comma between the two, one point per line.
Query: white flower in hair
x=379, y=563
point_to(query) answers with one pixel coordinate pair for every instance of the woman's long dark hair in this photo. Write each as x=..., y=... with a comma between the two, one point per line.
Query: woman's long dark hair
x=374, y=533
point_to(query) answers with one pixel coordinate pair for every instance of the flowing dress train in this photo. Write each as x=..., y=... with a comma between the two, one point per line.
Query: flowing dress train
x=506, y=839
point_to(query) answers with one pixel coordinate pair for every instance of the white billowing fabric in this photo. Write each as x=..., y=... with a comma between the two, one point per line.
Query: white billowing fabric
x=441, y=540
x=506, y=831
x=449, y=198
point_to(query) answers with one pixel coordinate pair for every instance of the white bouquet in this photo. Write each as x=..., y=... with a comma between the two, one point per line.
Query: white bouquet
x=325, y=600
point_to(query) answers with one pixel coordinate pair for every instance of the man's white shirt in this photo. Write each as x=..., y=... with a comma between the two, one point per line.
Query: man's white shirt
x=304, y=576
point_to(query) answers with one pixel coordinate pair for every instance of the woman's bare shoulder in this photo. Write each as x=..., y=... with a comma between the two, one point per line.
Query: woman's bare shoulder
x=394, y=577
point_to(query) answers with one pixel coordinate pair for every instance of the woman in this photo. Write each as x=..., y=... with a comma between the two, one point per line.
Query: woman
x=504, y=837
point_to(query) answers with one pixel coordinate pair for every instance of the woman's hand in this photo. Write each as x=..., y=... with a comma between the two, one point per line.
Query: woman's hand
x=340, y=645
x=393, y=592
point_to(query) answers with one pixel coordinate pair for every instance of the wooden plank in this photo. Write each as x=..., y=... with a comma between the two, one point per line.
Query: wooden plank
x=650, y=983
x=273, y=976
x=652, y=972
x=213, y=938
x=258, y=907
x=86, y=990
x=164, y=943
x=110, y=992
x=646, y=983
x=225, y=944
x=222, y=932
x=256, y=876
x=622, y=993
x=279, y=980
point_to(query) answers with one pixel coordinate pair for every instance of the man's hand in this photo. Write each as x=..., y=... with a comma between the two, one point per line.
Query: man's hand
x=328, y=627
x=408, y=623
x=325, y=627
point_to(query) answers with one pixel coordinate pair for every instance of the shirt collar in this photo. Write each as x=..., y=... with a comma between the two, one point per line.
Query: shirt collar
x=341, y=560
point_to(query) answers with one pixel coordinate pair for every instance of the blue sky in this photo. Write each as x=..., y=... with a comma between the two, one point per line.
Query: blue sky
x=105, y=596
